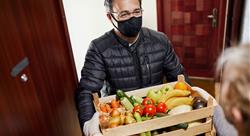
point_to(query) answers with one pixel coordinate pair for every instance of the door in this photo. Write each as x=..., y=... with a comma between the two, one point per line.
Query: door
x=37, y=72
x=196, y=29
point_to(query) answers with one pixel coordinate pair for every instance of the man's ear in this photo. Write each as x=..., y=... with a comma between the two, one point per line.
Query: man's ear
x=237, y=115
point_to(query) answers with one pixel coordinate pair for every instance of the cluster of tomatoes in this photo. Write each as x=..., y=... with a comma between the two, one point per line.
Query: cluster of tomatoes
x=148, y=108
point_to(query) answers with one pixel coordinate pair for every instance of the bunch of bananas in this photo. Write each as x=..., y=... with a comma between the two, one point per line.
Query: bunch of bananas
x=176, y=97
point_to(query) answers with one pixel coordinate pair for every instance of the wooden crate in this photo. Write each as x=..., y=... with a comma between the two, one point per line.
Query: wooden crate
x=163, y=122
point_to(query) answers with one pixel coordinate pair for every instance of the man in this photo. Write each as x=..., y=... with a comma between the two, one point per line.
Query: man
x=234, y=91
x=128, y=57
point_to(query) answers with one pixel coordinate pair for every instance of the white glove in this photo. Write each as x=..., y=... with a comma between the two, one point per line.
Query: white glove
x=91, y=127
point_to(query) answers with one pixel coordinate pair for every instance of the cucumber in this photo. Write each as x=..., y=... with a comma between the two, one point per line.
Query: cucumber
x=182, y=126
x=144, y=118
x=139, y=119
x=148, y=133
x=136, y=98
x=120, y=94
x=126, y=103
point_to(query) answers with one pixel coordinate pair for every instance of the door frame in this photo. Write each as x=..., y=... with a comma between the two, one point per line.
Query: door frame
x=67, y=37
x=234, y=22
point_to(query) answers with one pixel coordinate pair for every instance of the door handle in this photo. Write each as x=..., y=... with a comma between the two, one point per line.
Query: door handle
x=24, y=78
x=214, y=17
x=19, y=67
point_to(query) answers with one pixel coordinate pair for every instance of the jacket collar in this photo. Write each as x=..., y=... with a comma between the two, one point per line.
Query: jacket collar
x=124, y=43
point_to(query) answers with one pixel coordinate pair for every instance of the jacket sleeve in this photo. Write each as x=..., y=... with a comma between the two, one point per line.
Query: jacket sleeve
x=172, y=66
x=92, y=79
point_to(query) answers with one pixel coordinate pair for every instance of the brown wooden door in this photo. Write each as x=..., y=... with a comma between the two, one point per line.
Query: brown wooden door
x=42, y=105
x=188, y=24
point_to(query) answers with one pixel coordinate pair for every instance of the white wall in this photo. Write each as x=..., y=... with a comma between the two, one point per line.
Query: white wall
x=87, y=20
x=246, y=23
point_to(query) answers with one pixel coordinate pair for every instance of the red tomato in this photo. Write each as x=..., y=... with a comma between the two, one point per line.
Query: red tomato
x=149, y=110
x=147, y=101
x=138, y=109
x=161, y=107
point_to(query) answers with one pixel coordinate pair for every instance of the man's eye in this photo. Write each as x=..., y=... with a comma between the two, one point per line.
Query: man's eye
x=137, y=12
x=124, y=15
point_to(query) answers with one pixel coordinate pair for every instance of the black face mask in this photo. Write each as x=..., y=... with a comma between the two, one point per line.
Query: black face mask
x=130, y=27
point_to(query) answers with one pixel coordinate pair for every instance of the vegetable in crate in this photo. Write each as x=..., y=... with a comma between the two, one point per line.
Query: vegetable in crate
x=136, y=99
x=120, y=94
x=199, y=102
x=154, y=95
x=139, y=119
x=105, y=107
x=161, y=108
x=115, y=104
x=129, y=120
x=127, y=104
x=139, y=109
x=114, y=113
x=104, y=120
x=114, y=121
x=149, y=110
x=166, y=88
x=147, y=101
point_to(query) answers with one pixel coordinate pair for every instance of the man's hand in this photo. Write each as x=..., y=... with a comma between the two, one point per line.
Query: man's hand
x=91, y=127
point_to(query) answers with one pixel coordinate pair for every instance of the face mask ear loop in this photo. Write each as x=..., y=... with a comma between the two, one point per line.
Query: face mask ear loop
x=113, y=22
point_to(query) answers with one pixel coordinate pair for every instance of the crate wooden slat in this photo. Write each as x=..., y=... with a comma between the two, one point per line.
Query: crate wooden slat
x=161, y=122
x=195, y=130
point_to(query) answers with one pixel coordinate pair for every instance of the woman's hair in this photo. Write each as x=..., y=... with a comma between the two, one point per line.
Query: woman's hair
x=234, y=68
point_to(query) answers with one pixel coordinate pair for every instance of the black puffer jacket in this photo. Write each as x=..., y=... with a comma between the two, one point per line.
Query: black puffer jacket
x=125, y=67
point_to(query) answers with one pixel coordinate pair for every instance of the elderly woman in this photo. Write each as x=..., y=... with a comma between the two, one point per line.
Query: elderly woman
x=233, y=67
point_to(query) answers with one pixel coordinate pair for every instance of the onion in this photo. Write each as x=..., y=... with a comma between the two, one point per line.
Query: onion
x=114, y=121
x=115, y=113
x=104, y=121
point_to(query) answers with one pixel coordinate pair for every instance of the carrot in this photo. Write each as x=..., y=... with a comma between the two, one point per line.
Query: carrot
x=103, y=108
x=108, y=107
x=115, y=104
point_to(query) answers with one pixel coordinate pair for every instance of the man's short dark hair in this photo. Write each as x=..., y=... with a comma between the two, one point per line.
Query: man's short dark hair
x=109, y=5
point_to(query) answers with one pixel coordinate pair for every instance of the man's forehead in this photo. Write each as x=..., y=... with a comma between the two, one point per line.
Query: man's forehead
x=125, y=5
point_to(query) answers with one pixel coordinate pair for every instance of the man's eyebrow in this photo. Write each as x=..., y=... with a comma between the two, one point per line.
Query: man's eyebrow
x=127, y=11
x=124, y=11
x=137, y=9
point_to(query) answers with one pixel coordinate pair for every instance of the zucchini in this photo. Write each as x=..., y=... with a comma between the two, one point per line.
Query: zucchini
x=120, y=94
x=126, y=103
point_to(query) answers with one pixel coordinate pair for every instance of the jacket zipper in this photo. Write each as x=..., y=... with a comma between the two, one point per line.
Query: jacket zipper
x=137, y=66
x=148, y=69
